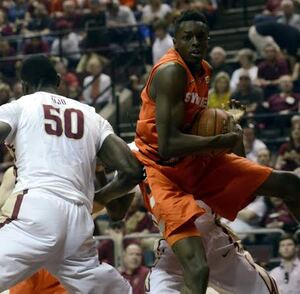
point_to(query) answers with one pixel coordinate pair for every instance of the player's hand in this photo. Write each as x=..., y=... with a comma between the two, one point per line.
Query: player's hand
x=236, y=109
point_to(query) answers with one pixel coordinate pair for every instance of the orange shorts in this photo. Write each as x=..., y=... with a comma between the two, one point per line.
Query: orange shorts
x=40, y=282
x=226, y=184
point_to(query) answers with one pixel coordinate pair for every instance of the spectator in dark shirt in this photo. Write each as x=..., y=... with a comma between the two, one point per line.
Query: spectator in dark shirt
x=285, y=101
x=133, y=270
x=7, y=67
x=36, y=45
x=248, y=94
x=218, y=62
x=270, y=70
x=289, y=153
x=5, y=28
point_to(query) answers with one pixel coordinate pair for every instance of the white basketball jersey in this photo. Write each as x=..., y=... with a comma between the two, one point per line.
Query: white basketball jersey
x=55, y=141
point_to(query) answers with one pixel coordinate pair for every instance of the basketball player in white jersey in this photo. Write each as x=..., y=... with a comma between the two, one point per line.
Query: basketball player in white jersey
x=47, y=222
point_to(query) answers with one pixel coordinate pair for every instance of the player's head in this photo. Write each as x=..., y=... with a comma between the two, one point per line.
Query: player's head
x=38, y=72
x=191, y=36
x=288, y=247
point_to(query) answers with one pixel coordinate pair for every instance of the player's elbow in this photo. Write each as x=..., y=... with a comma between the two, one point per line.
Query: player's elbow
x=133, y=173
x=164, y=150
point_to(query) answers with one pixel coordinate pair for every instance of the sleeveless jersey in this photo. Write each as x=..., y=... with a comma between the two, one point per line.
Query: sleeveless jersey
x=55, y=141
x=195, y=100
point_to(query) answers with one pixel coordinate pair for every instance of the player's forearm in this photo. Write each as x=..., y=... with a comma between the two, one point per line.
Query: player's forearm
x=184, y=144
x=118, y=208
x=118, y=187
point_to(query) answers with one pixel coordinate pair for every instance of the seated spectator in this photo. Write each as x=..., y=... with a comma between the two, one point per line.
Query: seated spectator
x=155, y=10
x=97, y=86
x=209, y=9
x=282, y=36
x=248, y=94
x=69, y=84
x=71, y=15
x=7, y=67
x=5, y=93
x=132, y=269
x=119, y=15
x=40, y=22
x=85, y=58
x=296, y=75
x=289, y=153
x=273, y=7
x=67, y=44
x=219, y=95
x=270, y=70
x=35, y=45
x=163, y=40
x=218, y=62
x=295, y=121
x=285, y=101
x=287, y=274
x=6, y=29
x=246, y=58
x=289, y=17
x=264, y=157
x=278, y=216
x=251, y=143
x=18, y=12
x=17, y=91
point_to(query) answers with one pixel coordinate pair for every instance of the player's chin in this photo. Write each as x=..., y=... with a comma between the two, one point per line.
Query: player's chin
x=195, y=58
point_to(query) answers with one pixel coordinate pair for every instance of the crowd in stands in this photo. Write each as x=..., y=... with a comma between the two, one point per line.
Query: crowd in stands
x=81, y=37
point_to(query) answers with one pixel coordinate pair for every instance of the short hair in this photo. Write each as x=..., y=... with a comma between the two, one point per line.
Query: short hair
x=160, y=25
x=189, y=15
x=247, y=52
x=288, y=237
x=38, y=70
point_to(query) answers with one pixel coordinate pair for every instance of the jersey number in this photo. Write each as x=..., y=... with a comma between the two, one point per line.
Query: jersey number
x=72, y=124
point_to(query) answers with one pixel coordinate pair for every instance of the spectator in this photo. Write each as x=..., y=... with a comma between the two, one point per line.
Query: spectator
x=5, y=28
x=133, y=270
x=248, y=94
x=295, y=121
x=70, y=14
x=289, y=153
x=285, y=101
x=5, y=93
x=17, y=91
x=69, y=86
x=264, y=157
x=36, y=45
x=251, y=143
x=218, y=62
x=278, y=215
x=219, y=95
x=246, y=59
x=272, y=7
x=280, y=35
x=40, y=22
x=287, y=275
x=163, y=40
x=7, y=67
x=18, y=13
x=209, y=8
x=289, y=16
x=119, y=15
x=270, y=70
x=67, y=44
x=155, y=10
x=97, y=86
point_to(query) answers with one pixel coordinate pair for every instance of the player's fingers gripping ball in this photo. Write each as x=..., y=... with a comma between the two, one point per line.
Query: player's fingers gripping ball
x=212, y=122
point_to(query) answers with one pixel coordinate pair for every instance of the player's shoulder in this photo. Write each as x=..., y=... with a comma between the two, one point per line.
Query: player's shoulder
x=207, y=65
x=171, y=68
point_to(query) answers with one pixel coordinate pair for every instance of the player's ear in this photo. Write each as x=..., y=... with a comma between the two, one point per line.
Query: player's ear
x=58, y=79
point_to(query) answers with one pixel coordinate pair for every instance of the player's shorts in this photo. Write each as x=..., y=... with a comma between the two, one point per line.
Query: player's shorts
x=41, y=230
x=226, y=183
x=41, y=282
x=232, y=270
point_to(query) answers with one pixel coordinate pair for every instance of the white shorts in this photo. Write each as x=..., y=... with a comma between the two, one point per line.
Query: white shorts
x=40, y=229
x=232, y=270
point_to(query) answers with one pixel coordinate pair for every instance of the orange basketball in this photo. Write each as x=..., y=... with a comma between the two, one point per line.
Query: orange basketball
x=211, y=122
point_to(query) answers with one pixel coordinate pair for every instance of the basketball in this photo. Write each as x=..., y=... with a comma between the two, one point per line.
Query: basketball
x=211, y=122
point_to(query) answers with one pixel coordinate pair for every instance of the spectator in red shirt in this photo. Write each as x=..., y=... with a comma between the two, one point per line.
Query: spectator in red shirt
x=133, y=270
x=285, y=101
x=271, y=69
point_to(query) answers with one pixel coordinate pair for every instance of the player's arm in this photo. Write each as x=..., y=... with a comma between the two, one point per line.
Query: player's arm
x=7, y=185
x=116, y=155
x=4, y=131
x=168, y=89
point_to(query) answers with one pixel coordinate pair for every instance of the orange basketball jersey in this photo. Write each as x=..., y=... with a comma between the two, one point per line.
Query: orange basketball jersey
x=195, y=100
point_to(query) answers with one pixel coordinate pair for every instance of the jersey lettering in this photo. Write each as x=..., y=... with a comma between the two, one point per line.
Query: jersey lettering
x=72, y=124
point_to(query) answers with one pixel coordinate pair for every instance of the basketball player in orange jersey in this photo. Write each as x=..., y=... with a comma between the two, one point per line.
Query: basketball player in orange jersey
x=177, y=173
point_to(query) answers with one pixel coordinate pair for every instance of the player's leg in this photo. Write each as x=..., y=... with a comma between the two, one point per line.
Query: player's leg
x=191, y=256
x=82, y=273
x=29, y=234
x=285, y=185
x=175, y=212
